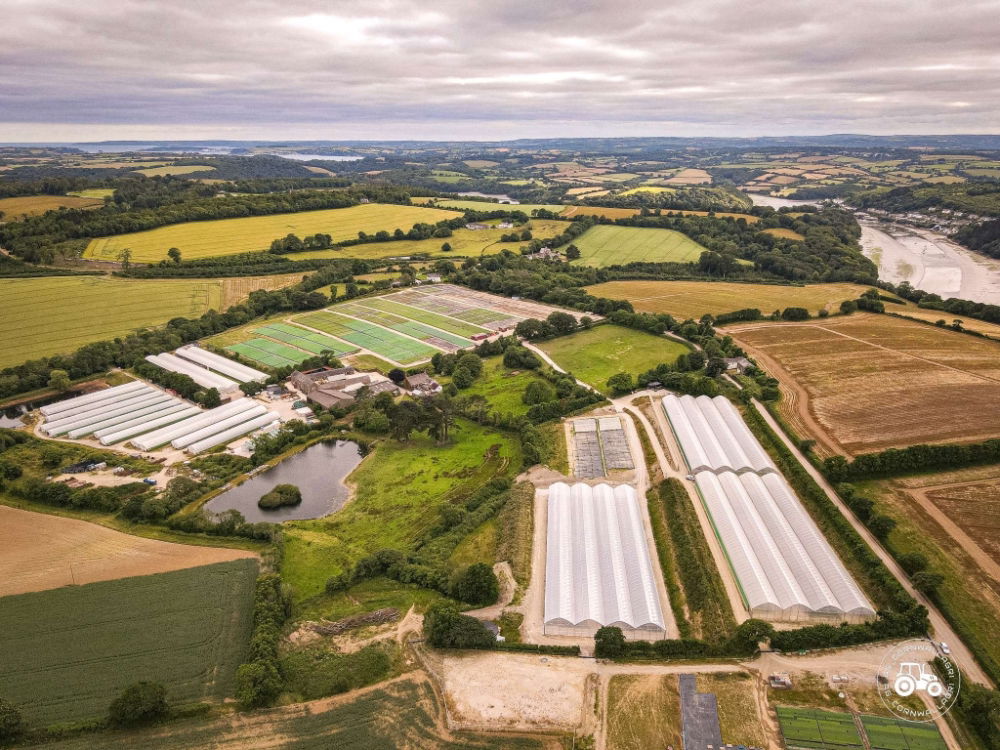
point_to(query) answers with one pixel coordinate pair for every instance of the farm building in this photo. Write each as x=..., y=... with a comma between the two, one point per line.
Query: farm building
x=784, y=567
x=598, y=570
x=331, y=387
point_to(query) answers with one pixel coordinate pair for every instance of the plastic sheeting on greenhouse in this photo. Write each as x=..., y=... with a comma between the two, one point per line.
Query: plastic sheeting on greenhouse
x=164, y=435
x=203, y=377
x=598, y=570
x=220, y=364
x=59, y=407
x=713, y=436
x=785, y=567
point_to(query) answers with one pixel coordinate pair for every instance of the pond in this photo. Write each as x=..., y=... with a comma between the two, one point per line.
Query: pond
x=318, y=471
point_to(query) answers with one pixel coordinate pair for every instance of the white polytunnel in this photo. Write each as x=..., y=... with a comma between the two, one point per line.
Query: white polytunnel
x=111, y=424
x=220, y=364
x=127, y=431
x=164, y=435
x=203, y=377
x=106, y=410
x=598, y=570
x=712, y=435
x=61, y=406
x=232, y=433
x=218, y=426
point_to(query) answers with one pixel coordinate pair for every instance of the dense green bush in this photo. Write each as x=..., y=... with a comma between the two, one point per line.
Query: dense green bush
x=139, y=703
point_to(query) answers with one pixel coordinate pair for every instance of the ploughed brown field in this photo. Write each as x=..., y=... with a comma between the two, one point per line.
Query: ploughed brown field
x=865, y=383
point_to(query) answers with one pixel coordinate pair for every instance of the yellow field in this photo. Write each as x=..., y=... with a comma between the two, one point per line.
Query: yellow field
x=647, y=189
x=690, y=177
x=203, y=239
x=470, y=242
x=627, y=213
x=933, y=316
x=45, y=316
x=174, y=170
x=33, y=205
x=692, y=299
x=739, y=712
x=782, y=233
x=235, y=290
x=643, y=712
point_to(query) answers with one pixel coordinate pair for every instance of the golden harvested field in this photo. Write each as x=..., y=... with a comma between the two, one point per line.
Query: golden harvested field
x=174, y=170
x=644, y=711
x=605, y=211
x=692, y=299
x=865, y=383
x=784, y=234
x=33, y=205
x=93, y=193
x=59, y=314
x=974, y=507
x=203, y=239
x=236, y=290
x=690, y=177
x=467, y=242
x=46, y=552
x=933, y=316
x=739, y=711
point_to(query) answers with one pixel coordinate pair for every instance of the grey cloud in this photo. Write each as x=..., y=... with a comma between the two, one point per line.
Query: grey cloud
x=499, y=69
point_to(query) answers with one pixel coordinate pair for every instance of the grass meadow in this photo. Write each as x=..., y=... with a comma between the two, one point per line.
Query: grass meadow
x=203, y=239
x=692, y=299
x=56, y=315
x=607, y=245
x=66, y=653
x=400, y=489
x=595, y=355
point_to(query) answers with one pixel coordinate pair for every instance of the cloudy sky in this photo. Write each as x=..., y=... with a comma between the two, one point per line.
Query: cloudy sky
x=397, y=69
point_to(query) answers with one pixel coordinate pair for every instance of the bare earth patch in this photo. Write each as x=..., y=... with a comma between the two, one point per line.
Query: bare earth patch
x=40, y=552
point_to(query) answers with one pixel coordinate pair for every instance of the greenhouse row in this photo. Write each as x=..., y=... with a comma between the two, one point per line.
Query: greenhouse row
x=221, y=365
x=784, y=566
x=207, y=429
x=598, y=570
x=713, y=436
x=200, y=375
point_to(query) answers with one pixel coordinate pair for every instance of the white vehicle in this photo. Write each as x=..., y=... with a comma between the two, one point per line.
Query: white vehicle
x=944, y=648
x=690, y=477
x=913, y=677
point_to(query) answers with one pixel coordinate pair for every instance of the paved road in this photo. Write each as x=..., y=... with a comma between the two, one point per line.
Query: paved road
x=942, y=629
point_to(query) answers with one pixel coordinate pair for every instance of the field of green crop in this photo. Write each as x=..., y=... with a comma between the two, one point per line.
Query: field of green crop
x=203, y=239
x=501, y=388
x=594, y=356
x=400, y=490
x=65, y=654
x=606, y=245
x=443, y=322
x=811, y=729
x=400, y=714
x=441, y=339
x=375, y=339
x=893, y=734
x=315, y=343
x=56, y=315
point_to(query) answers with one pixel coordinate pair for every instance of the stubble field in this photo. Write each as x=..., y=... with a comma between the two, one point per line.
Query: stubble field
x=203, y=239
x=692, y=299
x=33, y=205
x=865, y=383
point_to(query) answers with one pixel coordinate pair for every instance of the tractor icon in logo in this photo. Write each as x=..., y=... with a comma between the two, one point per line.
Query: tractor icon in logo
x=913, y=677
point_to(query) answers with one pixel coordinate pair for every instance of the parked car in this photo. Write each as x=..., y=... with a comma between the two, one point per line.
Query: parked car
x=944, y=648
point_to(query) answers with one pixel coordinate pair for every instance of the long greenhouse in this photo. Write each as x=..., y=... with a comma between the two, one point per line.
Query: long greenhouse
x=149, y=418
x=200, y=375
x=598, y=570
x=784, y=567
x=222, y=365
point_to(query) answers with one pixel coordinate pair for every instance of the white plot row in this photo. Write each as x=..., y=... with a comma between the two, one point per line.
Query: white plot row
x=208, y=429
x=713, y=436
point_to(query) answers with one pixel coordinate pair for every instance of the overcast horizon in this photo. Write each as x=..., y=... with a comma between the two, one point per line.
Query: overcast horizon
x=402, y=70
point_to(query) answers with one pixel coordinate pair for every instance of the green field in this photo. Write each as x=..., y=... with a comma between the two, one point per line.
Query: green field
x=443, y=322
x=501, y=389
x=179, y=169
x=269, y=352
x=464, y=242
x=894, y=734
x=401, y=488
x=418, y=330
x=202, y=239
x=606, y=245
x=812, y=729
x=400, y=714
x=375, y=339
x=93, y=193
x=65, y=654
x=315, y=343
x=594, y=356
x=45, y=316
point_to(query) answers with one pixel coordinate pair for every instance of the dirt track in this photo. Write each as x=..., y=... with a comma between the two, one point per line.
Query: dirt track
x=40, y=551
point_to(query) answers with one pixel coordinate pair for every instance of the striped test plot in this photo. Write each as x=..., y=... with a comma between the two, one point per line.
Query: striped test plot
x=302, y=338
x=458, y=327
x=375, y=339
x=270, y=353
x=442, y=340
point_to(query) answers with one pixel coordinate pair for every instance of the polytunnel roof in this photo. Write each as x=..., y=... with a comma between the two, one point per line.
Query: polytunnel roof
x=713, y=436
x=598, y=568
